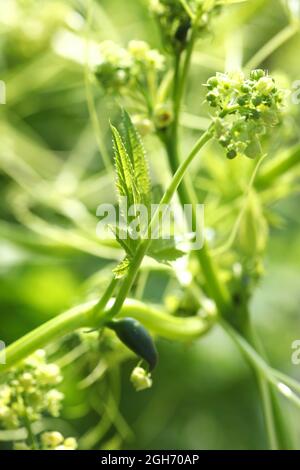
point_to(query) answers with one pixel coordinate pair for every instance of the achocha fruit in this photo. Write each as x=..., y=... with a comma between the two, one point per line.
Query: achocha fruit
x=137, y=338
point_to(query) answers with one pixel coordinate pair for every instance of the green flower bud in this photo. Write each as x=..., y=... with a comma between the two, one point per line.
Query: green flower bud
x=231, y=154
x=163, y=116
x=224, y=141
x=52, y=439
x=53, y=401
x=70, y=443
x=27, y=381
x=257, y=74
x=5, y=394
x=245, y=88
x=138, y=49
x=265, y=85
x=212, y=83
x=143, y=124
x=257, y=100
x=49, y=374
x=140, y=379
x=242, y=100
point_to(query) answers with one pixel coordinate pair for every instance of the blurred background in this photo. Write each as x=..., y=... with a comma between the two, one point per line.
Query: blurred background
x=53, y=175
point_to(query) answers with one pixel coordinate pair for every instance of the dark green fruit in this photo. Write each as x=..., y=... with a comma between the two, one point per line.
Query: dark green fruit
x=136, y=337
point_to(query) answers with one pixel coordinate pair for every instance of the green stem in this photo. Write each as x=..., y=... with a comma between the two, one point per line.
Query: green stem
x=107, y=295
x=277, y=168
x=215, y=288
x=268, y=411
x=278, y=435
x=278, y=40
x=57, y=327
x=83, y=316
x=264, y=389
x=30, y=434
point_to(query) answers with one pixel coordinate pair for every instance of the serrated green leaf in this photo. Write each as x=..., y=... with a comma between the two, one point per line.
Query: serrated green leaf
x=133, y=181
x=165, y=250
x=135, y=150
x=125, y=174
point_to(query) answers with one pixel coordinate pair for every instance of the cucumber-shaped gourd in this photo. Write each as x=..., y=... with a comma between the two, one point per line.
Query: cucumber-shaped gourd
x=137, y=338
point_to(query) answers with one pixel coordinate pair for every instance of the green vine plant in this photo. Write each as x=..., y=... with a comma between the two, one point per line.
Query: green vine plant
x=243, y=109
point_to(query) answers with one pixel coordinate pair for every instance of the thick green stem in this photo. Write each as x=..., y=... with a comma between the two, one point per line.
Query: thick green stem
x=216, y=289
x=83, y=316
x=270, y=47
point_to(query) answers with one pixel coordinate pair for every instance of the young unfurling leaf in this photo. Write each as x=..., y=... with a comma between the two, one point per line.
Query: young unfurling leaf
x=133, y=186
x=137, y=155
x=133, y=179
x=126, y=185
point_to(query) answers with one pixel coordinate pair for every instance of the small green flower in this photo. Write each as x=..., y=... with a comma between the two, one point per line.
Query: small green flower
x=140, y=379
x=163, y=116
x=142, y=124
x=55, y=441
x=53, y=401
x=51, y=439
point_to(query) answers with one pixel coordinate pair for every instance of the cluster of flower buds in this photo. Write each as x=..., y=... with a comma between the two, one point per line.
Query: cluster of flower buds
x=56, y=441
x=30, y=391
x=244, y=110
x=121, y=68
x=50, y=441
x=177, y=18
